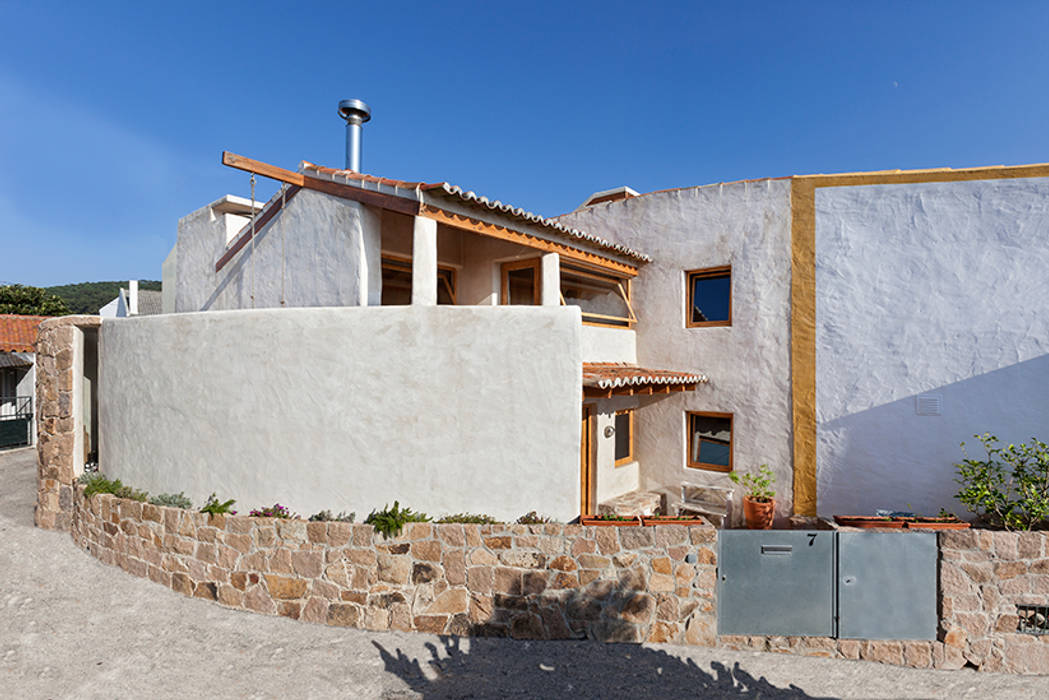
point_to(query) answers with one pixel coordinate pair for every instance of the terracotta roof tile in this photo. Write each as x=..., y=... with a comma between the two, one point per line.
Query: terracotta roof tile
x=18, y=333
x=612, y=375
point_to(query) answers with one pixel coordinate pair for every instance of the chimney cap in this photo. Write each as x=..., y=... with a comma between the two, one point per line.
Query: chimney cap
x=355, y=111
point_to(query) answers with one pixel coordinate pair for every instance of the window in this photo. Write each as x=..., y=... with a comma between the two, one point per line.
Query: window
x=521, y=282
x=604, y=300
x=710, y=441
x=397, y=282
x=624, y=437
x=709, y=297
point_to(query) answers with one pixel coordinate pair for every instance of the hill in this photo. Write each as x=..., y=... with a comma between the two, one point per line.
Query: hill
x=89, y=297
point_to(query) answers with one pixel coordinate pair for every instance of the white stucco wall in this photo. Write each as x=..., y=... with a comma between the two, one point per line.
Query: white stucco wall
x=747, y=225
x=602, y=344
x=612, y=481
x=935, y=289
x=168, y=280
x=330, y=257
x=445, y=409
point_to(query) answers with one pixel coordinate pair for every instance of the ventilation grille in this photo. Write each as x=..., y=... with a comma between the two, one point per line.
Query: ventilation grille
x=1034, y=619
x=929, y=405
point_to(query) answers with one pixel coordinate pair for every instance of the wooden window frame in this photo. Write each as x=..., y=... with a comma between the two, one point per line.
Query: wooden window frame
x=508, y=267
x=688, y=441
x=706, y=272
x=624, y=291
x=392, y=261
x=630, y=455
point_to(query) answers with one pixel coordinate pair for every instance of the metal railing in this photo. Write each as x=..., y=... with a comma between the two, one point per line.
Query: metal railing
x=16, y=407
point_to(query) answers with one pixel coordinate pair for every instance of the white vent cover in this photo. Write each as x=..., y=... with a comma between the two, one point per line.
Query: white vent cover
x=928, y=405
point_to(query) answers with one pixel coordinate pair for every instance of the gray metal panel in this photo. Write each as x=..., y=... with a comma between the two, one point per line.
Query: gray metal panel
x=776, y=582
x=887, y=585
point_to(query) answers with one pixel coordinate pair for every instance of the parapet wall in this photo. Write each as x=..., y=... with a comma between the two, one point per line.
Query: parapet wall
x=526, y=581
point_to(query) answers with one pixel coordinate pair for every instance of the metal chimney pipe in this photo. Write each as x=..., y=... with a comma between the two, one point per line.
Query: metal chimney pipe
x=355, y=112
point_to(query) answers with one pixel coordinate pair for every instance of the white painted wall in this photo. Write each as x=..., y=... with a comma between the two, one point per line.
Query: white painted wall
x=744, y=224
x=168, y=280
x=330, y=257
x=926, y=289
x=602, y=344
x=445, y=409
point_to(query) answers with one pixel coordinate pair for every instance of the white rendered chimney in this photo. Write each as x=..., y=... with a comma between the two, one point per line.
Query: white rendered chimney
x=132, y=302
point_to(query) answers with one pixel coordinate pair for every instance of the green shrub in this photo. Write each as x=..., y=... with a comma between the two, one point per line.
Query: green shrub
x=1010, y=488
x=533, y=518
x=216, y=507
x=469, y=518
x=172, y=500
x=326, y=516
x=96, y=483
x=389, y=521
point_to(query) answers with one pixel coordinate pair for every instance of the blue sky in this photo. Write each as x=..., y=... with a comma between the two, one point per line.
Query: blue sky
x=113, y=117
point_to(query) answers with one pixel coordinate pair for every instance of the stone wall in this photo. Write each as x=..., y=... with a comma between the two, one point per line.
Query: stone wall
x=55, y=425
x=627, y=584
x=984, y=575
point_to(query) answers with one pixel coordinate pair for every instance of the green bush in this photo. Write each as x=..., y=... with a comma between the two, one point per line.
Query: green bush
x=326, y=516
x=389, y=521
x=274, y=511
x=1010, y=488
x=216, y=507
x=469, y=518
x=172, y=500
x=533, y=518
x=97, y=483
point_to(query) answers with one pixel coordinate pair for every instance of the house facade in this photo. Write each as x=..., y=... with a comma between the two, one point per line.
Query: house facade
x=18, y=379
x=361, y=340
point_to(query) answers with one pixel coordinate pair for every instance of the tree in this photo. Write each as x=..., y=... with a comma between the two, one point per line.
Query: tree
x=30, y=301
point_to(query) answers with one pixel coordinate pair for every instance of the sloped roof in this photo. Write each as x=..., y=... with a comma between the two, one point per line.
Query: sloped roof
x=615, y=375
x=437, y=190
x=149, y=301
x=18, y=333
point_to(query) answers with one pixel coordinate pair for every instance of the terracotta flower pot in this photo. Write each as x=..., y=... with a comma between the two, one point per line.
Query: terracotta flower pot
x=757, y=514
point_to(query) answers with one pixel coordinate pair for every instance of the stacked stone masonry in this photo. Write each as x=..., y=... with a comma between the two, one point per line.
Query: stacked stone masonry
x=629, y=584
x=55, y=423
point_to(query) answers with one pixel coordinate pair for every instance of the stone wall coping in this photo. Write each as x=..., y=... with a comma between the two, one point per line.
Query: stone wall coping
x=79, y=320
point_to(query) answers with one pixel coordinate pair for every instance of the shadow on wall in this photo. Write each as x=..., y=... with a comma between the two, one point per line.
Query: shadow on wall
x=498, y=667
x=891, y=457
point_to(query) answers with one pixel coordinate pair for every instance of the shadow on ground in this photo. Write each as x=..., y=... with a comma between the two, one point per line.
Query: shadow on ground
x=507, y=668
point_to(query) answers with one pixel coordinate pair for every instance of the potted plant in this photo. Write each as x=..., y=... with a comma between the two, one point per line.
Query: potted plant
x=759, y=502
x=650, y=520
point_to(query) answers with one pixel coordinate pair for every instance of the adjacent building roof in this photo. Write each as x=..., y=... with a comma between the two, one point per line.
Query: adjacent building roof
x=18, y=333
x=620, y=377
x=149, y=301
x=15, y=360
x=431, y=192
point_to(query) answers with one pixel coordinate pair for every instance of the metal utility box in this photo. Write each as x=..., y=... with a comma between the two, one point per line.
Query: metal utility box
x=887, y=585
x=852, y=585
x=776, y=582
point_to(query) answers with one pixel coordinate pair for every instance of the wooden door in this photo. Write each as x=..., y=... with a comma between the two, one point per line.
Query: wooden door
x=586, y=464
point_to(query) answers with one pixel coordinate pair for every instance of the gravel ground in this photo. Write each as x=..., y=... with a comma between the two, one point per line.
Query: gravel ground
x=72, y=627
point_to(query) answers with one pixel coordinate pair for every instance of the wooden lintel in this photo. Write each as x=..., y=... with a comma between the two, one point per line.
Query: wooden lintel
x=591, y=392
x=494, y=231
x=337, y=189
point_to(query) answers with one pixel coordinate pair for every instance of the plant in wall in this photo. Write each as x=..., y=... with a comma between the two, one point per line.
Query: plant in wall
x=1010, y=487
x=389, y=521
x=469, y=519
x=172, y=500
x=97, y=483
x=274, y=511
x=534, y=518
x=326, y=516
x=759, y=501
x=214, y=506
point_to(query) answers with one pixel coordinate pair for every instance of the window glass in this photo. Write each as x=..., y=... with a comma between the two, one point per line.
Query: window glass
x=594, y=294
x=521, y=282
x=710, y=299
x=624, y=438
x=710, y=442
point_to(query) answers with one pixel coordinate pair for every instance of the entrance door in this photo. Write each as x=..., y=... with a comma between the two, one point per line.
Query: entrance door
x=586, y=465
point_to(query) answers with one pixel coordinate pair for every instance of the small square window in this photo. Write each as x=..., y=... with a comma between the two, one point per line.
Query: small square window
x=709, y=297
x=710, y=441
x=624, y=437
